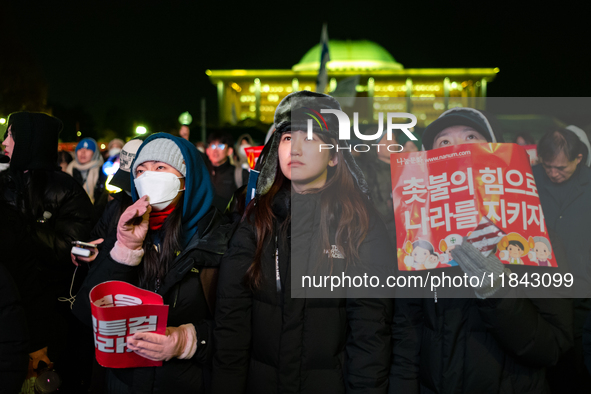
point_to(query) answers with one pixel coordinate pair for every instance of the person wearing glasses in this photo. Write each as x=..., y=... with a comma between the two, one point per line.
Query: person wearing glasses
x=223, y=173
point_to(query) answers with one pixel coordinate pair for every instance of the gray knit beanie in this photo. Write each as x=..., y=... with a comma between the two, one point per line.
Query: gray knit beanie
x=164, y=150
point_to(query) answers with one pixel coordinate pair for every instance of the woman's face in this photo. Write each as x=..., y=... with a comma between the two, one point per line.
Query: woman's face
x=457, y=135
x=9, y=143
x=84, y=155
x=302, y=161
x=158, y=166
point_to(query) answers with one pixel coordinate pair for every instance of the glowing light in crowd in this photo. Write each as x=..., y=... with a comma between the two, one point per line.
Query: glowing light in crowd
x=110, y=188
x=79, y=133
x=185, y=118
x=103, y=146
x=2, y=120
x=141, y=130
x=110, y=168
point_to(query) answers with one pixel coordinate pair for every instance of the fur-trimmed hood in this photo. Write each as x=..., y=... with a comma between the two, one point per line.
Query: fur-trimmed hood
x=292, y=113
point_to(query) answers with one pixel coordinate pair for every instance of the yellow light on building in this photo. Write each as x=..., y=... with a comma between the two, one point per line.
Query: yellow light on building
x=103, y=146
x=236, y=87
x=79, y=133
x=381, y=77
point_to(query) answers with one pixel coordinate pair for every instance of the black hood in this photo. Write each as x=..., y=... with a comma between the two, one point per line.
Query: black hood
x=35, y=138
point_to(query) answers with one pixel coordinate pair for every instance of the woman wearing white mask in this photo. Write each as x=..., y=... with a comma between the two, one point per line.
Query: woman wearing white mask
x=170, y=242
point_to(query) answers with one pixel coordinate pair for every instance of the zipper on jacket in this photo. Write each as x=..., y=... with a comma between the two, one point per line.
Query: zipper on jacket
x=277, y=273
x=176, y=295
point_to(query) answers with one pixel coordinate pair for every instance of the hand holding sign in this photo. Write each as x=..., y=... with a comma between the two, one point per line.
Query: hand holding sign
x=133, y=224
x=119, y=312
x=443, y=194
x=178, y=342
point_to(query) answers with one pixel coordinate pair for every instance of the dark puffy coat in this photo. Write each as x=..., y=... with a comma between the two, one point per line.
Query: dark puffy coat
x=14, y=338
x=468, y=345
x=40, y=265
x=269, y=342
x=188, y=289
x=566, y=210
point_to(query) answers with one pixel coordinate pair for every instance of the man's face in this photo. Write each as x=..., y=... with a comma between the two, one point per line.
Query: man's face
x=560, y=169
x=84, y=155
x=217, y=153
x=457, y=135
x=542, y=252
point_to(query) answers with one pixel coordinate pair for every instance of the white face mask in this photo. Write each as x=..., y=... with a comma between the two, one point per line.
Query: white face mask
x=160, y=187
x=114, y=151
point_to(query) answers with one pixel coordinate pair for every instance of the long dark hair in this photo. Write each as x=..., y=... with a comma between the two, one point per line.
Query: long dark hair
x=264, y=218
x=342, y=205
x=157, y=262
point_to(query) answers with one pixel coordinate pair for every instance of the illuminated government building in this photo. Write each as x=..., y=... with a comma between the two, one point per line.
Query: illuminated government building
x=255, y=94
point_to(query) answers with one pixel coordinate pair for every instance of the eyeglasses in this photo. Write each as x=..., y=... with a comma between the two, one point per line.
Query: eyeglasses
x=218, y=146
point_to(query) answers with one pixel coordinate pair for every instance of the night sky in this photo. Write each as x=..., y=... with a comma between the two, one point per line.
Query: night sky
x=113, y=63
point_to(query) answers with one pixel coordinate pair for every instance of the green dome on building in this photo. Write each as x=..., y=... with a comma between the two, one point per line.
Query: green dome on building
x=350, y=55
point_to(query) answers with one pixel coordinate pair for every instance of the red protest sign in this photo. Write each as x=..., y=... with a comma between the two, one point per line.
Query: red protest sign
x=119, y=310
x=252, y=154
x=532, y=151
x=441, y=196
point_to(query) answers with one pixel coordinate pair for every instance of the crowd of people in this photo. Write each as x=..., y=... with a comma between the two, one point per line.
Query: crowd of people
x=179, y=225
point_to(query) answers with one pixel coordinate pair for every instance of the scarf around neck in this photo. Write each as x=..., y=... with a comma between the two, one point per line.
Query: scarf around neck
x=157, y=218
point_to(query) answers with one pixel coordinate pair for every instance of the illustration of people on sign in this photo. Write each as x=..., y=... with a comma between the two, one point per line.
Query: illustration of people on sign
x=445, y=247
x=514, y=247
x=542, y=252
x=421, y=256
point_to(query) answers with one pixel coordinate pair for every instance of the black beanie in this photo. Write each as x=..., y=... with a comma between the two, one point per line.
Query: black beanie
x=35, y=138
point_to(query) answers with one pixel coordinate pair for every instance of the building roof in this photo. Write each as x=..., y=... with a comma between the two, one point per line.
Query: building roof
x=350, y=55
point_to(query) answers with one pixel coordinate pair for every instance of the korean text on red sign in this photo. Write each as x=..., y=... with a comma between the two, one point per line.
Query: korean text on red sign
x=252, y=155
x=441, y=195
x=119, y=310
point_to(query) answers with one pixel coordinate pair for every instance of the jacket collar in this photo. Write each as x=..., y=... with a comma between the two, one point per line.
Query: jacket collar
x=578, y=181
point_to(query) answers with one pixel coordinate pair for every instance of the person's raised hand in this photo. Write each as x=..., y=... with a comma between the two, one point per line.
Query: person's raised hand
x=133, y=224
